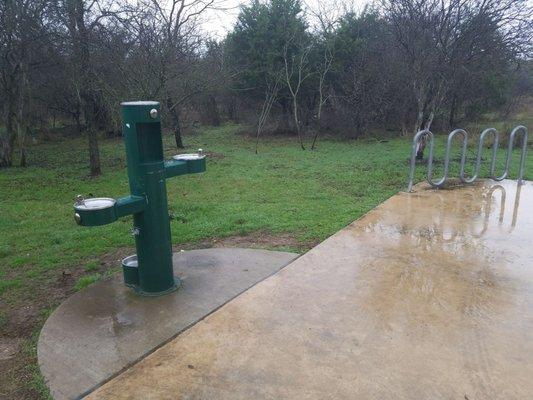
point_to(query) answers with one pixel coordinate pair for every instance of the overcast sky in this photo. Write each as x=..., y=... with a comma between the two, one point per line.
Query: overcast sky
x=219, y=23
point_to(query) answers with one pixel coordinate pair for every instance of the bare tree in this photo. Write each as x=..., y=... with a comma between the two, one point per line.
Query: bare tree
x=327, y=18
x=83, y=20
x=22, y=30
x=410, y=63
x=174, y=55
x=271, y=92
x=296, y=72
x=440, y=38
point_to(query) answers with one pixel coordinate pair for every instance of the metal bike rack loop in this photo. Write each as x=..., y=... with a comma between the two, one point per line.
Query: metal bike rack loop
x=427, y=134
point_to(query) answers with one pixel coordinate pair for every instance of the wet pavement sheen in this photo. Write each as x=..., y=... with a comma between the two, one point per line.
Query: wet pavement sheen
x=428, y=296
x=106, y=327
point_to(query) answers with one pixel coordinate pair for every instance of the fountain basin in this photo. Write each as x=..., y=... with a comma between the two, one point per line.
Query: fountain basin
x=195, y=161
x=95, y=211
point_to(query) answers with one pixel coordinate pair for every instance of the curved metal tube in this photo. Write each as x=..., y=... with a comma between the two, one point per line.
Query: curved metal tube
x=477, y=167
x=449, y=143
x=418, y=137
x=414, y=148
x=510, y=145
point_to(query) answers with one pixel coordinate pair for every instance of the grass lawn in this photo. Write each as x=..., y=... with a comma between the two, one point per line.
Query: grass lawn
x=280, y=192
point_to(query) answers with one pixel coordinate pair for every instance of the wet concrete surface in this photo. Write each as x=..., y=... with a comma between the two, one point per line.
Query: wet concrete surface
x=104, y=328
x=428, y=296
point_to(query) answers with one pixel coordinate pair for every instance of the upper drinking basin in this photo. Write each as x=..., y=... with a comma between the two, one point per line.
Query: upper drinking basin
x=188, y=156
x=94, y=204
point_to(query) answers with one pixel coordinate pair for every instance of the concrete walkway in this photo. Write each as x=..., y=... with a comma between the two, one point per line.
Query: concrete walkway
x=104, y=328
x=428, y=296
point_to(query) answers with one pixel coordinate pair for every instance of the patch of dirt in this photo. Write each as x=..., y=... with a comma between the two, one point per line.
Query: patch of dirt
x=9, y=347
x=257, y=240
x=20, y=321
x=114, y=259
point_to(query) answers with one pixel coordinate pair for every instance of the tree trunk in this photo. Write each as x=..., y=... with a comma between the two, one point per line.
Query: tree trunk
x=89, y=113
x=22, y=121
x=453, y=111
x=6, y=150
x=87, y=100
x=177, y=134
x=23, y=158
x=297, y=122
x=315, y=137
x=232, y=110
x=7, y=141
x=419, y=117
x=404, y=128
x=176, y=122
x=270, y=95
x=422, y=142
x=77, y=119
x=421, y=106
x=429, y=120
x=318, y=119
x=212, y=116
x=284, y=115
x=22, y=146
x=420, y=149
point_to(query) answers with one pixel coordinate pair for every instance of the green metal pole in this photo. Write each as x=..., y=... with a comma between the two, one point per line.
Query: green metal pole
x=146, y=171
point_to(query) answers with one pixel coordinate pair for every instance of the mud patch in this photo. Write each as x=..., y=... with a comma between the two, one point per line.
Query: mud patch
x=9, y=347
x=255, y=240
x=20, y=321
x=450, y=184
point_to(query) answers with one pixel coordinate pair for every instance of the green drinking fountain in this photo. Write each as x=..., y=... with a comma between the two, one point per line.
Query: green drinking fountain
x=149, y=272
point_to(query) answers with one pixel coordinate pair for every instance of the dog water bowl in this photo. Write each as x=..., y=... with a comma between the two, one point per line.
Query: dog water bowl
x=130, y=268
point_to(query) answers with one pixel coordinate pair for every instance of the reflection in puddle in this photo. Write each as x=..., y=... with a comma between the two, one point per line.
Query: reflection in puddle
x=438, y=252
x=470, y=214
x=488, y=199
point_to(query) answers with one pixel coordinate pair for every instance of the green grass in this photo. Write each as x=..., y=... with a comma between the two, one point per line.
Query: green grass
x=85, y=281
x=35, y=381
x=308, y=194
x=91, y=265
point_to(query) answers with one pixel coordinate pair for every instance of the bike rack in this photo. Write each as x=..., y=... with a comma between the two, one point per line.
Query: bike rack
x=425, y=134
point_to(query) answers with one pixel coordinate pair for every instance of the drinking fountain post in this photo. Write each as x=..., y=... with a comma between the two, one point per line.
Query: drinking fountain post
x=150, y=271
